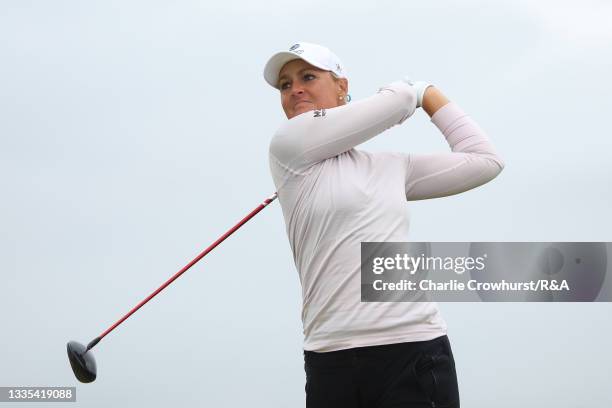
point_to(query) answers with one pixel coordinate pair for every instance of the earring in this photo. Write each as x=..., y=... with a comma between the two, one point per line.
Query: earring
x=340, y=97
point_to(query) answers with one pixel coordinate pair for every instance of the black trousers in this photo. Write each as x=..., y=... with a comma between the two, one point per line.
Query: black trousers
x=407, y=375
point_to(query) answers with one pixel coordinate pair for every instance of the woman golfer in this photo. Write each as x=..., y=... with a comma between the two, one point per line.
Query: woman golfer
x=334, y=197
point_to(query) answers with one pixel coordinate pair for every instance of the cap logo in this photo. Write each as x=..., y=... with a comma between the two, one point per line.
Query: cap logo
x=338, y=67
x=294, y=46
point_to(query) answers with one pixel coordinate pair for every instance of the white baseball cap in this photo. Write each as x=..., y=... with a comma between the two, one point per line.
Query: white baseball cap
x=317, y=55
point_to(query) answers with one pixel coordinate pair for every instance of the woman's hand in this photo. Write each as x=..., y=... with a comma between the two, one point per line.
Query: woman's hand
x=428, y=97
x=420, y=87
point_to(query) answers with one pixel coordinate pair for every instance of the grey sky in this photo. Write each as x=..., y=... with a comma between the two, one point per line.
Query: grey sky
x=134, y=133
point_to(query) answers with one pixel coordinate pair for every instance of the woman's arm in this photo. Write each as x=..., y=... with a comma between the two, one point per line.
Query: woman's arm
x=473, y=160
x=318, y=135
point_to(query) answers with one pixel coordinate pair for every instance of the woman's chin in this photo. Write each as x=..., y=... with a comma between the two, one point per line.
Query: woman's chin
x=303, y=108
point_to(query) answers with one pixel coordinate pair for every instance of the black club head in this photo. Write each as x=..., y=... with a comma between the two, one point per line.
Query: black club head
x=82, y=362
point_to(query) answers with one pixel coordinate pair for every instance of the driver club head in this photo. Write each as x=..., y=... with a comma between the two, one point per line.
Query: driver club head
x=82, y=362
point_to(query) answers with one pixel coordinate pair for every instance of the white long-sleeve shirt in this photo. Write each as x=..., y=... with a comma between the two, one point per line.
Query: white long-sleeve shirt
x=334, y=197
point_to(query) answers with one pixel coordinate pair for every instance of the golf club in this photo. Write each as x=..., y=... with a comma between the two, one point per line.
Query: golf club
x=81, y=358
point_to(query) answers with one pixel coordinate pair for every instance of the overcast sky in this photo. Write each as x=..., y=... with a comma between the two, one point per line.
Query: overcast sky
x=134, y=133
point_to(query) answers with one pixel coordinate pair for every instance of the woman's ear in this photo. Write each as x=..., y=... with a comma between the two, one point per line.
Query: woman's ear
x=343, y=83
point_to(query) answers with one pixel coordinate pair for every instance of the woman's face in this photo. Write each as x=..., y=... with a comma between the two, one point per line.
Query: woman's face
x=304, y=87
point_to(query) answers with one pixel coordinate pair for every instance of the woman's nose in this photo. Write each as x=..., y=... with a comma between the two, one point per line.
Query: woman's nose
x=297, y=89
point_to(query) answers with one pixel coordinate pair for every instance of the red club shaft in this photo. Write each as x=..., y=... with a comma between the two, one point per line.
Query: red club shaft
x=185, y=268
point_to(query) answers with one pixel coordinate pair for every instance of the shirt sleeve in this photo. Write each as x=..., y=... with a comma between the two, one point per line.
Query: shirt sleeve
x=472, y=162
x=318, y=135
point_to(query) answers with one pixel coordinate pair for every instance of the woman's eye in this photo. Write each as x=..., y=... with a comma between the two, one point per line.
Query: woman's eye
x=306, y=77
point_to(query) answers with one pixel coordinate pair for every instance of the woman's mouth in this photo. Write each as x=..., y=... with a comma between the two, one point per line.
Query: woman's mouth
x=299, y=103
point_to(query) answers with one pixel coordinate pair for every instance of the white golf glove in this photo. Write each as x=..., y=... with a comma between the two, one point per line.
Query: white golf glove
x=419, y=87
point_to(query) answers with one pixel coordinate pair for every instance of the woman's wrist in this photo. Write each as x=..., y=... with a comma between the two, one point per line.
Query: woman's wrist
x=433, y=100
